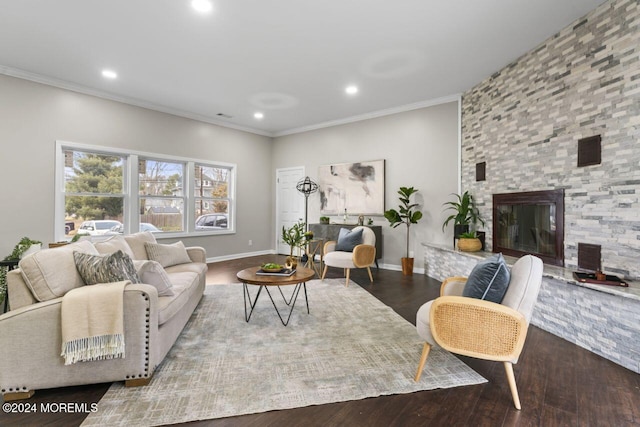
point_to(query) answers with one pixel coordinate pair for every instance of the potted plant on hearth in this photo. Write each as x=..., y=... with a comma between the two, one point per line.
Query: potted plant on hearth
x=465, y=214
x=406, y=214
x=469, y=242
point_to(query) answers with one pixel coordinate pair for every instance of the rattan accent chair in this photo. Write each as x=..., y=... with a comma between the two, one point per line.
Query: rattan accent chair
x=363, y=255
x=483, y=329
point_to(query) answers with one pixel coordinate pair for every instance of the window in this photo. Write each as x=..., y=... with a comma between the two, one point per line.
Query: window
x=93, y=188
x=104, y=192
x=211, y=192
x=161, y=195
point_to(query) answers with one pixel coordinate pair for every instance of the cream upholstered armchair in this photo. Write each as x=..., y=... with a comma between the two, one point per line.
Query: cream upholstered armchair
x=363, y=255
x=482, y=329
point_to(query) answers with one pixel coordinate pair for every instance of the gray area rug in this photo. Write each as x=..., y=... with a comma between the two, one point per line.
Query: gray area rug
x=350, y=347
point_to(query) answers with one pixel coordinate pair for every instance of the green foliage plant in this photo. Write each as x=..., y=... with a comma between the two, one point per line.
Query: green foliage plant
x=294, y=236
x=469, y=235
x=22, y=246
x=407, y=212
x=465, y=211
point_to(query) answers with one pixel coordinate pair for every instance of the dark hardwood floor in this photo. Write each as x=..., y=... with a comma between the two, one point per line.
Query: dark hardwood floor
x=560, y=383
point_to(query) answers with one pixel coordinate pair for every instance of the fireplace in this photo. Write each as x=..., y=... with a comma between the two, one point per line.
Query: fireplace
x=530, y=223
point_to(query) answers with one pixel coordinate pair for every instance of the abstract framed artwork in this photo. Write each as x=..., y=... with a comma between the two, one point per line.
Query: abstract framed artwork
x=357, y=187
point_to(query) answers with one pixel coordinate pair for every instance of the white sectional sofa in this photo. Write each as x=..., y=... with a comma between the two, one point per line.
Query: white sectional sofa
x=30, y=332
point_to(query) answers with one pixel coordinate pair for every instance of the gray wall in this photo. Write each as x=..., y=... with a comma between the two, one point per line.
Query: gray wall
x=33, y=116
x=526, y=119
x=420, y=149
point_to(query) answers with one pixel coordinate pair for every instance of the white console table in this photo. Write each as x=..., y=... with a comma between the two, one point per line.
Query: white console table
x=601, y=319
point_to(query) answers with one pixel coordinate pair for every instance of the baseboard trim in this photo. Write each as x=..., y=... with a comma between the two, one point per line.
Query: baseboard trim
x=240, y=255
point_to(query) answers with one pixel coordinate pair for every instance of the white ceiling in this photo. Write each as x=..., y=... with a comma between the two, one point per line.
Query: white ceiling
x=289, y=59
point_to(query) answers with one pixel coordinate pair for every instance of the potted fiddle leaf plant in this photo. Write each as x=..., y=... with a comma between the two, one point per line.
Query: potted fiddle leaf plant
x=406, y=214
x=464, y=214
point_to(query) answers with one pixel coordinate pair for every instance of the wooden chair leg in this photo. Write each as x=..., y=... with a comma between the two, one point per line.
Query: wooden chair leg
x=508, y=367
x=348, y=273
x=423, y=359
x=370, y=275
x=324, y=272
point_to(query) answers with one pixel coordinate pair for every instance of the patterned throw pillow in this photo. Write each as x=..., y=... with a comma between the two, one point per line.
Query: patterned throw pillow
x=167, y=255
x=105, y=268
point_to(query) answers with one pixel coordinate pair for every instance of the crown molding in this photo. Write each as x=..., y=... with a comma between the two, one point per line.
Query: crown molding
x=373, y=115
x=62, y=84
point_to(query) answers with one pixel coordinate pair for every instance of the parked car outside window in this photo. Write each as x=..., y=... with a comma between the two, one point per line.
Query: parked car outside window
x=144, y=226
x=97, y=227
x=212, y=222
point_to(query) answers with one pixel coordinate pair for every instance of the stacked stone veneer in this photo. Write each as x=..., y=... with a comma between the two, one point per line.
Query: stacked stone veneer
x=605, y=321
x=526, y=119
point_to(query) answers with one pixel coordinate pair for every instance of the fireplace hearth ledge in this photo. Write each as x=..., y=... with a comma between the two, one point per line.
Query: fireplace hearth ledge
x=602, y=319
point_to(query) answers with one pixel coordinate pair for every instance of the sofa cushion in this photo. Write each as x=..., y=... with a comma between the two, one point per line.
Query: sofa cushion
x=194, y=267
x=113, y=244
x=168, y=255
x=109, y=268
x=152, y=273
x=488, y=280
x=51, y=273
x=183, y=285
x=348, y=239
x=137, y=240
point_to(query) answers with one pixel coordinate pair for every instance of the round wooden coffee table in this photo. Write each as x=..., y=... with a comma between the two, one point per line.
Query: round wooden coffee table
x=251, y=276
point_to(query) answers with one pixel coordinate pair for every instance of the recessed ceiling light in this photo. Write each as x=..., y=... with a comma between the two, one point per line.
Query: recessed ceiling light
x=109, y=74
x=351, y=90
x=202, y=6
x=258, y=115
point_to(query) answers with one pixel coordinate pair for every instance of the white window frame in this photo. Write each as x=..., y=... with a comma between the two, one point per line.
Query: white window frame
x=131, y=217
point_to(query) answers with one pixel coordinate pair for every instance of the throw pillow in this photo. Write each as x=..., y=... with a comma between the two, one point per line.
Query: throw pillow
x=488, y=280
x=167, y=255
x=136, y=242
x=348, y=239
x=113, y=244
x=52, y=273
x=110, y=268
x=152, y=273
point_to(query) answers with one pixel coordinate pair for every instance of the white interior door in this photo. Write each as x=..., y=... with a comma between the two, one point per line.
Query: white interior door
x=289, y=203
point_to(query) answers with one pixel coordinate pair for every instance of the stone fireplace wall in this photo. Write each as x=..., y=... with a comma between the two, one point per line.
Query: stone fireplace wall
x=526, y=119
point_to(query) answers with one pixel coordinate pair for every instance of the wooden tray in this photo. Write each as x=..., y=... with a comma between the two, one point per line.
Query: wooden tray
x=591, y=278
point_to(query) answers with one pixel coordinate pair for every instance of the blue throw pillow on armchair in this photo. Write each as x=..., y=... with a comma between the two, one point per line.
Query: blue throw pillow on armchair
x=488, y=280
x=348, y=239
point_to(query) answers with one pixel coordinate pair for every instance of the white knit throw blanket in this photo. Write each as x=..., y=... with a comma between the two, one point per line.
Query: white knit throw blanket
x=92, y=322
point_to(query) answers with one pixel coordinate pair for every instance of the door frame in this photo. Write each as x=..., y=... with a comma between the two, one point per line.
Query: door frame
x=278, y=201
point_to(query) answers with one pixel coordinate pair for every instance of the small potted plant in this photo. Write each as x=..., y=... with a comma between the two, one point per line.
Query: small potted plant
x=24, y=247
x=465, y=213
x=324, y=220
x=294, y=237
x=469, y=242
x=406, y=214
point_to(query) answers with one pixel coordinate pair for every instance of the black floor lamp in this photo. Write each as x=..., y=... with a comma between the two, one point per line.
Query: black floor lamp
x=306, y=187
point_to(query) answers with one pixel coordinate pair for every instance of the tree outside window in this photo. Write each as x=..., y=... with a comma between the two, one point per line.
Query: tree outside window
x=93, y=188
